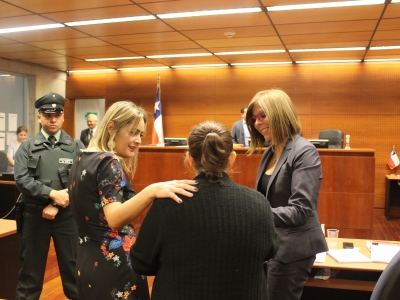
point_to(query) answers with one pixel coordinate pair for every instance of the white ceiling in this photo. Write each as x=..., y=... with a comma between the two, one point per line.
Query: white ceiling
x=67, y=48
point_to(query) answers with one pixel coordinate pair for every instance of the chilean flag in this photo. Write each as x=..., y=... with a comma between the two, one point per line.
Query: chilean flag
x=157, y=136
x=393, y=160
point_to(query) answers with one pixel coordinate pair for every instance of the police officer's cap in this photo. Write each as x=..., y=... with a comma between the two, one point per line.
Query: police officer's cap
x=50, y=104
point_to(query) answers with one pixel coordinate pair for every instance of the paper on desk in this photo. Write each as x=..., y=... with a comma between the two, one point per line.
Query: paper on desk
x=348, y=256
x=381, y=252
x=320, y=258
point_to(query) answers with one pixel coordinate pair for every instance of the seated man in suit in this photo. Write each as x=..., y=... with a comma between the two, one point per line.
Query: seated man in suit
x=87, y=134
x=240, y=132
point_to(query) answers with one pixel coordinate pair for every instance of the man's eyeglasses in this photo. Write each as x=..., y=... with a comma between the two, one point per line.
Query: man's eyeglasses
x=260, y=116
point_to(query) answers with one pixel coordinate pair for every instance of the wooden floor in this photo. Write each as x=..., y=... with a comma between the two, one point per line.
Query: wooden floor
x=52, y=290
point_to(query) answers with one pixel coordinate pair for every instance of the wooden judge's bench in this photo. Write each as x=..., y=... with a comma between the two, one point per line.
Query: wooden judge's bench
x=346, y=200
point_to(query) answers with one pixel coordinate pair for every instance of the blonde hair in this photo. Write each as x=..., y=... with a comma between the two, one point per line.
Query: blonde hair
x=210, y=145
x=121, y=113
x=281, y=114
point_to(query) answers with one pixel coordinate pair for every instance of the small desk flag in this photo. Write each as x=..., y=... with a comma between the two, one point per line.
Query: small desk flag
x=393, y=160
x=157, y=136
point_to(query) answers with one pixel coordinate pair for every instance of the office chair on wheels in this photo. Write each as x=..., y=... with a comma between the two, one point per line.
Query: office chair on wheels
x=335, y=137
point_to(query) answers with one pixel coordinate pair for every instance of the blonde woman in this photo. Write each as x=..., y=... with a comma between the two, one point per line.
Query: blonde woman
x=104, y=205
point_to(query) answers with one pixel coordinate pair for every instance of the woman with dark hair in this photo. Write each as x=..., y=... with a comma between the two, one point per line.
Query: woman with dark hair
x=213, y=245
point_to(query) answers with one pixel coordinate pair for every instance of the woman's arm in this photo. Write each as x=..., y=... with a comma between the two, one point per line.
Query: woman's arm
x=120, y=214
x=11, y=161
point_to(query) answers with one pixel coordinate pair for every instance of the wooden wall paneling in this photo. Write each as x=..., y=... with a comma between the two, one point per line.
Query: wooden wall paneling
x=82, y=85
x=360, y=99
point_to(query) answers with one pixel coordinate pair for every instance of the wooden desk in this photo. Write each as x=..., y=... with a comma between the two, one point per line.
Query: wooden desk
x=392, y=201
x=9, y=261
x=346, y=198
x=356, y=282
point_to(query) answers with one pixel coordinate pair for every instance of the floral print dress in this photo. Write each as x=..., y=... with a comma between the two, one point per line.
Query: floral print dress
x=104, y=269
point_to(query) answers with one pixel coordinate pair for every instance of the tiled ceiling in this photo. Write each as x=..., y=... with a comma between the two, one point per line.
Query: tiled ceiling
x=67, y=48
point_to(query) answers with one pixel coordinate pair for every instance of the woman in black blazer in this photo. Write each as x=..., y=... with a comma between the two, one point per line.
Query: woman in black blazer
x=290, y=176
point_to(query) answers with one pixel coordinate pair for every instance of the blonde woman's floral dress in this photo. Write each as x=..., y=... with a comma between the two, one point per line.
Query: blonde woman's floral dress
x=103, y=268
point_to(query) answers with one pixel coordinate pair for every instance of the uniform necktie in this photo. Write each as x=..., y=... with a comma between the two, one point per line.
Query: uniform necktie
x=90, y=134
x=52, y=140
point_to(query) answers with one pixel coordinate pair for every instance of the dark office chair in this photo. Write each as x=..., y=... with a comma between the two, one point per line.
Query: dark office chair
x=388, y=285
x=3, y=162
x=335, y=137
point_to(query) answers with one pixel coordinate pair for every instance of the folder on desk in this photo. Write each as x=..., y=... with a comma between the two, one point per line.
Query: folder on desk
x=348, y=256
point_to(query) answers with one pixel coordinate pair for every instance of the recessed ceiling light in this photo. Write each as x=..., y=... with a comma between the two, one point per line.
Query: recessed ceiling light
x=114, y=58
x=112, y=20
x=30, y=28
x=91, y=71
x=327, y=61
x=210, y=13
x=199, y=66
x=324, y=5
x=142, y=68
x=249, y=52
x=261, y=63
x=179, y=55
x=383, y=59
x=384, y=47
x=328, y=49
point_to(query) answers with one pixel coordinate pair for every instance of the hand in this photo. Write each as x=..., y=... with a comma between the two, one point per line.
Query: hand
x=169, y=189
x=49, y=212
x=60, y=197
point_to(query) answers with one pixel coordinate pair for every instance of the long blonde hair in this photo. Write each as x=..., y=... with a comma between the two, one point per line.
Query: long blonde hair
x=121, y=113
x=282, y=117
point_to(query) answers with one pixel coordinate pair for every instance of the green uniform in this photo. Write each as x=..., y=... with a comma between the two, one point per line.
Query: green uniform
x=39, y=169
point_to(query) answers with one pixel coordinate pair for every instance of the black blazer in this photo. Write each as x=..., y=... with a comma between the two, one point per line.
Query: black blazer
x=292, y=192
x=85, y=137
x=237, y=132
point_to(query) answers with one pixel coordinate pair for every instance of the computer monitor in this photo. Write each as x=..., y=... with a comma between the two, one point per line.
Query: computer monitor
x=175, y=141
x=319, y=143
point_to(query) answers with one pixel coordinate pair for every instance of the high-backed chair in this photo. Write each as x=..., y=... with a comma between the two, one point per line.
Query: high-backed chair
x=335, y=137
x=388, y=284
x=3, y=162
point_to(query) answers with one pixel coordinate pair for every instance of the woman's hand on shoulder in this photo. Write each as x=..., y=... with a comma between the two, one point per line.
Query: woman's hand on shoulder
x=170, y=189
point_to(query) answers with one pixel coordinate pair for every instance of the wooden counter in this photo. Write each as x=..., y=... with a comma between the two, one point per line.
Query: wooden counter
x=10, y=263
x=347, y=192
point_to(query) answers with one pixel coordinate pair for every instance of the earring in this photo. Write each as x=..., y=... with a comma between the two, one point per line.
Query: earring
x=111, y=144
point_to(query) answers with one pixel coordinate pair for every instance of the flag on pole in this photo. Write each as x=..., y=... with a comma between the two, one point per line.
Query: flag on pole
x=157, y=136
x=393, y=160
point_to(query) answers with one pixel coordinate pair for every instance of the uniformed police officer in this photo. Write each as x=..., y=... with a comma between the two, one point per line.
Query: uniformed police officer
x=41, y=172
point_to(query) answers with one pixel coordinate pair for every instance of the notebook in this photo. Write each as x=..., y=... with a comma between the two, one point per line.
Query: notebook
x=348, y=256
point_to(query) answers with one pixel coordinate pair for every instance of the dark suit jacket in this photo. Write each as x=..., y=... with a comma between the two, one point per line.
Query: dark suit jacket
x=293, y=191
x=238, y=132
x=85, y=137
